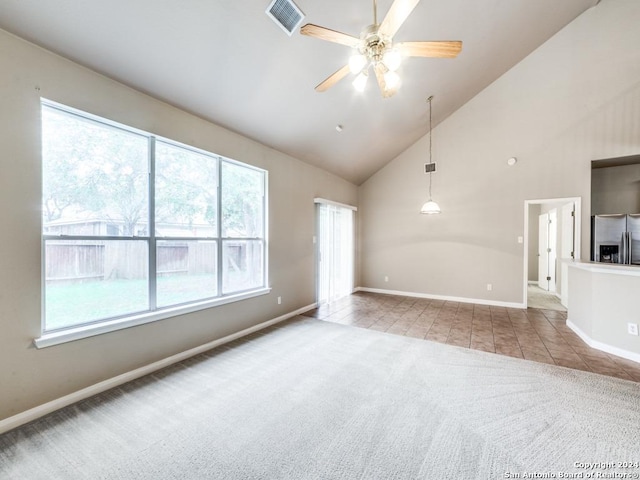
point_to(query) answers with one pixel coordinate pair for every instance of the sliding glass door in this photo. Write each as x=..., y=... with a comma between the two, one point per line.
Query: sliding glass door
x=335, y=250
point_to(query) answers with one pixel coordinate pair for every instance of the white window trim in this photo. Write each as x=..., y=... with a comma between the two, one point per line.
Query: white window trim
x=336, y=204
x=99, y=327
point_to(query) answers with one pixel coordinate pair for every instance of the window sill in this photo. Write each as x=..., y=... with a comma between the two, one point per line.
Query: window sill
x=84, y=331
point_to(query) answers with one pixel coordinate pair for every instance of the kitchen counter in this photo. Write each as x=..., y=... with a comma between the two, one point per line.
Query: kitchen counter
x=607, y=267
x=603, y=299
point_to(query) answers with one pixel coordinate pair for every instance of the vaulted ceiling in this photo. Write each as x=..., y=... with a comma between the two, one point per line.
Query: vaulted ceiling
x=228, y=62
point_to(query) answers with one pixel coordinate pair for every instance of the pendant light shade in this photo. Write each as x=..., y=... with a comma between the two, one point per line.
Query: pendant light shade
x=430, y=208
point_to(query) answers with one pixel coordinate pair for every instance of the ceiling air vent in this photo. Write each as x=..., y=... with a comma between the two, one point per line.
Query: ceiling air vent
x=286, y=14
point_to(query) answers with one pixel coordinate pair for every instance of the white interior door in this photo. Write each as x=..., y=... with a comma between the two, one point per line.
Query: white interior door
x=567, y=248
x=568, y=231
x=543, y=251
x=335, y=252
x=553, y=249
x=547, y=250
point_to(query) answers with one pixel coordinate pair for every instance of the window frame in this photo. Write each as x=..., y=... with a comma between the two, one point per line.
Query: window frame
x=153, y=313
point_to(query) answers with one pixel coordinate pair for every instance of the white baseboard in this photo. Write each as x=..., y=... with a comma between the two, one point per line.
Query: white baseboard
x=479, y=301
x=619, y=352
x=49, y=407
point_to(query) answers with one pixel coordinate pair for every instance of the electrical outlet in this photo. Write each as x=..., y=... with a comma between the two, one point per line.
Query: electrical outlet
x=386, y=279
x=632, y=328
x=489, y=287
x=279, y=300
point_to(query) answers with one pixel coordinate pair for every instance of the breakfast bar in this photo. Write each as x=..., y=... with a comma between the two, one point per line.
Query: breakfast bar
x=604, y=306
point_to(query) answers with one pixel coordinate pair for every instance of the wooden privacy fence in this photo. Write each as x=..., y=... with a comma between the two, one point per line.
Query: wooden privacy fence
x=78, y=261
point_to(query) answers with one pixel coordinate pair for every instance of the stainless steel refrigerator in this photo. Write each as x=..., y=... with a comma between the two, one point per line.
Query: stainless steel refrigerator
x=615, y=239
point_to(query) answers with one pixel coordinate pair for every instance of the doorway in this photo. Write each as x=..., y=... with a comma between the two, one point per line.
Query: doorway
x=335, y=250
x=551, y=241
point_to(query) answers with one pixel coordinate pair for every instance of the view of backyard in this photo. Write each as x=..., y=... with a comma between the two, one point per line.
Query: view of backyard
x=208, y=214
x=77, y=303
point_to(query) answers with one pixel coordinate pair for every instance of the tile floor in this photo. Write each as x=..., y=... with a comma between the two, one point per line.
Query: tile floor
x=534, y=334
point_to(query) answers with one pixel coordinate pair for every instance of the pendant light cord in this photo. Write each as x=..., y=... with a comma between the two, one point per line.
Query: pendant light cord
x=430, y=128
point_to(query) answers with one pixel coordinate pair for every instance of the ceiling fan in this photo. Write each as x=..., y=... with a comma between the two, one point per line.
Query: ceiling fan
x=375, y=48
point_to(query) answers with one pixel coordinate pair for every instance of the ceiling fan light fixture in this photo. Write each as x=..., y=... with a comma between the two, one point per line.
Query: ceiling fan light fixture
x=361, y=81
x=374, y=48
x=392, y=80
x=392, y=59
x=357, y=62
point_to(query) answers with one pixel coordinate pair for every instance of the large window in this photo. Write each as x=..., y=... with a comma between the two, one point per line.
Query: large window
x=134, y=224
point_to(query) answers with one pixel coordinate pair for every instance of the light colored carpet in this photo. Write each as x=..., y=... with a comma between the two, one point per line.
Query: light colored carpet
x=316, y=400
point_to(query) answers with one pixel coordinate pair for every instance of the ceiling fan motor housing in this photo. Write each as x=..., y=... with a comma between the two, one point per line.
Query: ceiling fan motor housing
x=373, y=44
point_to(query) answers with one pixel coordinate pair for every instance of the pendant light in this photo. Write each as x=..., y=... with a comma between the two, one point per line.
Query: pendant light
x=430, y=207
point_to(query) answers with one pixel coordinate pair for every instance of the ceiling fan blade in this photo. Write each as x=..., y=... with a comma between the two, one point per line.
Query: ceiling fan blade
x=396, y=16
x=386, y=92
x=444, y=49
x=329, y=35
x=333, y=79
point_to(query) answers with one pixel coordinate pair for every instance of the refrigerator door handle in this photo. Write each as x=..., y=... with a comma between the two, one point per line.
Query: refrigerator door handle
x=629, y=249
x=625, y=254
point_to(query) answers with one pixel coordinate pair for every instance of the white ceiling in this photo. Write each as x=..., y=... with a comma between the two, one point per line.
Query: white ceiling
x=226, y=61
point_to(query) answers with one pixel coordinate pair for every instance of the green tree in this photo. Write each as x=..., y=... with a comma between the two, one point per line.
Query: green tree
x=93, y=172
x=242, y=201
x=186, y=187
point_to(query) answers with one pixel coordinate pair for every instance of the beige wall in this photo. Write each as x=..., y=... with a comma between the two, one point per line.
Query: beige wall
x=615, y=190
x=573, y=100
x=602, y=303
x=30, y=377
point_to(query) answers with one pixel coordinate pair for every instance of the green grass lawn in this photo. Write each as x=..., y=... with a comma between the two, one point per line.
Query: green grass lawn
x=74, y=304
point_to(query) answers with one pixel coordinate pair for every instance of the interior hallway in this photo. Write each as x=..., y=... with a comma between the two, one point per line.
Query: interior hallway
x=539, y=335
x=541, y=299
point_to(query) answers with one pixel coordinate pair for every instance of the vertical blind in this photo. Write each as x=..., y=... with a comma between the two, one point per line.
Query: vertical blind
x=335, y=250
